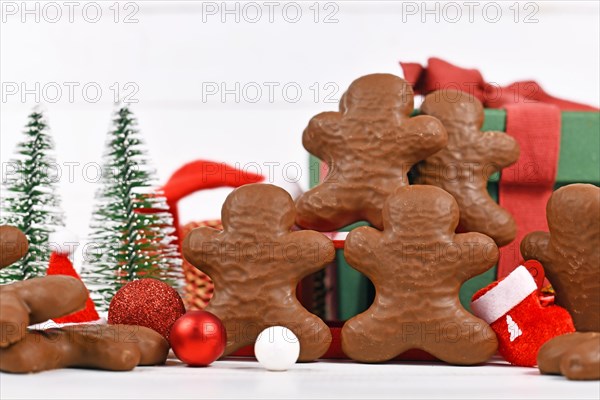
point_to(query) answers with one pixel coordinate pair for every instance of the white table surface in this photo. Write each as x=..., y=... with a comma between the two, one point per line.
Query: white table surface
x=324, y=379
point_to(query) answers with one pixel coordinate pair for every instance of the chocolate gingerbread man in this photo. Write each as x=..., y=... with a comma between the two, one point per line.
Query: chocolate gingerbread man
x=22, y=350
x=369, y=146
x=418, y=264
x=464, y=166
x=570, y=253
x=256, y=263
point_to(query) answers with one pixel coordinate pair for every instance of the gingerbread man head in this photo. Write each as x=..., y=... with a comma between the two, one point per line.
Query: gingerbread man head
x=570, y=253
x=392, y=95
x=463, y=167
x=256, y=263
x=454, y=107
x=369, y=146
x=276, y=209
x=399, y=217
x=418, y=264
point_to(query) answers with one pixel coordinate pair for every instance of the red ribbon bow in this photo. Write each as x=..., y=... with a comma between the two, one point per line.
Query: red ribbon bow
x=440, y=74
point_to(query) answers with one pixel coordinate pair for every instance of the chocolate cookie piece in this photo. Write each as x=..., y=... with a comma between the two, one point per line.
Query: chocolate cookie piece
x=37, y=300
x=369, y=146
x=570, y=253
x=575, y=355
x=464, y=166
x=582, y=362
x=13, y=245
x=256, y=263
x=550, y=354
x=114, y=348
x=418, y=264
x=153, y=348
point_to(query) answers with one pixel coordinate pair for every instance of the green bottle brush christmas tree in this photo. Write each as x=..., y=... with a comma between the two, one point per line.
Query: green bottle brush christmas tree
x=29, y=199
x=132, y=233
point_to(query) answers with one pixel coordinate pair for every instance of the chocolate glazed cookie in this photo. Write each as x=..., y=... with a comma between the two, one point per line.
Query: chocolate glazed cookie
x=256, y=263
x=369, y=146
x=463, y=167
x=570, y=253
x=418, y=264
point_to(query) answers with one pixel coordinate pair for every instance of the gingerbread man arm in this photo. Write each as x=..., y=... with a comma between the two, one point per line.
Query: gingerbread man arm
x=478, y=254
x=361, y=241
x=315, y=250
x=34, y=301
x=535, y=246
x=422, y=136
x=319, y=137
x=499, y=148
x=202, y=247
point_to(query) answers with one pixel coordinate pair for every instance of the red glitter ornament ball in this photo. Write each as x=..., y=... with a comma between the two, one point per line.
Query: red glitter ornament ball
x=147, y=302
x=198, y=338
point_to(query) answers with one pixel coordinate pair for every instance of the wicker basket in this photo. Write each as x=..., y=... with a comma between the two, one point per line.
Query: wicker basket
x=198, y=286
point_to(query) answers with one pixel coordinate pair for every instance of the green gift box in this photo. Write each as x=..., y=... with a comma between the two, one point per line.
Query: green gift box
x=579, y=159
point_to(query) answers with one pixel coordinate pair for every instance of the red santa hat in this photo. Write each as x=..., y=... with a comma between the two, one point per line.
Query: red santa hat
x=63, y=244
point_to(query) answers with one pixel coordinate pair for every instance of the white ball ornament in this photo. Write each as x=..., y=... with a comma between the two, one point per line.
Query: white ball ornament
x=277, y=348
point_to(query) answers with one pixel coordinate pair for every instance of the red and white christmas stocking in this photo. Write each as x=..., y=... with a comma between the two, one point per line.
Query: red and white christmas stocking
x=63, y=244
x=512, y=308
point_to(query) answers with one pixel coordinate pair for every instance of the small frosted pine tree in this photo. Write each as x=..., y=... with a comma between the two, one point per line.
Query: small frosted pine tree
x=29, y=199
x=132, y=233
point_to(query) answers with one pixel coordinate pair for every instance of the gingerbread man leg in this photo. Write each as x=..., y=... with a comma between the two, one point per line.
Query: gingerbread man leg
x=323, y=208
x=366, y=339
x=241, y=332
x=314, y=335
x=470, y=341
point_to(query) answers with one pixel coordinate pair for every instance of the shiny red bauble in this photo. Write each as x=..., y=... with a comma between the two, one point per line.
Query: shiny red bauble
x=198, y=338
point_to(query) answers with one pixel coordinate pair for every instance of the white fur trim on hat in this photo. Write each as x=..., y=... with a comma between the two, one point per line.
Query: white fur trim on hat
x=63, y=241
x=505, y=295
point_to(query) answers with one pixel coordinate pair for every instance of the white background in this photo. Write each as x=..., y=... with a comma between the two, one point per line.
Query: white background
x=175, y=49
